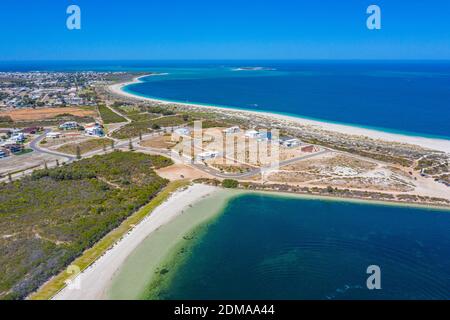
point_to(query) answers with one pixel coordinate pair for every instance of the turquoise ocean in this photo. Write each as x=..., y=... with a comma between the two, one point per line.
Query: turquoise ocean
x=272, y=247
x=410, y=97
x=266, y=247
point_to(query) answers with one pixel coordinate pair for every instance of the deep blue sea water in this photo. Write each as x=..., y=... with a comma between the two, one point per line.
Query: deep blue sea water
x=270, y=247
x=406, y=97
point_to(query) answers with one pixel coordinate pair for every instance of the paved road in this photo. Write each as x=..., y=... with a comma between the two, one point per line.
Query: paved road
x=254, y=171
x=124, y=144
x=35, y=146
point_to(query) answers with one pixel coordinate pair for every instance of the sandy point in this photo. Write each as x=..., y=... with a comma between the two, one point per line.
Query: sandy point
x=95, y=280
x=424, y=142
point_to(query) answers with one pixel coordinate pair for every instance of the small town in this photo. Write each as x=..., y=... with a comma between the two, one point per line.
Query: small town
x=51, y=89
x=64, y=125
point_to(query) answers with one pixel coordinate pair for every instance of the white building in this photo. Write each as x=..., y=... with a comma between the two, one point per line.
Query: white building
x=71, y=125
x=253, y=134
x=290, y=143
x=94, y=129
x=232, y=130
x=207, y=155
x=17, y=137
x=182, y=131
x=53, y=135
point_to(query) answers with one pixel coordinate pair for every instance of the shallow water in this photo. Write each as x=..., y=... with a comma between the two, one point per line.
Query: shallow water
x=271, y=247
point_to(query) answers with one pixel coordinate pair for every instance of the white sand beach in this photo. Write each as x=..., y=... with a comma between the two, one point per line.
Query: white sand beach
x=430, y=143
x=94, y=281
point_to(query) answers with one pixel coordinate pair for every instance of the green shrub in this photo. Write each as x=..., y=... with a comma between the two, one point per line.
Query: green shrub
x=56, y=214
x=230, y=184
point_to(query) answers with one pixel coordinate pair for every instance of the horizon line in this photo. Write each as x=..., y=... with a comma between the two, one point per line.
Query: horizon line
x=224, y=59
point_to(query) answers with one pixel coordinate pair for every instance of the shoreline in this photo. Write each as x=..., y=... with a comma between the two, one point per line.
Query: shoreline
x=155, y=241
x=96, y=278
x=392, y=203
x=162, y=253
x=171, y=243
x=424, y=142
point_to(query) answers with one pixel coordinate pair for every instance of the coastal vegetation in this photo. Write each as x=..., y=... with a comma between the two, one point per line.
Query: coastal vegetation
x=330, y=191
x=85, y=146
x=49, y=218
x=108, y=116
x=132, y=109
x=135, y=128
x=92, y=254
x=230, y=184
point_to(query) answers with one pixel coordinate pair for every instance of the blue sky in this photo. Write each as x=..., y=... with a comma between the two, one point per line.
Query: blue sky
x=224, y=29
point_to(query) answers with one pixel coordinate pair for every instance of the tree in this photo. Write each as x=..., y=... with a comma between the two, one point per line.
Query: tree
x=185, y=117
x=230, y=184
x=130, y=145
x=140, y=135
x=78, y=153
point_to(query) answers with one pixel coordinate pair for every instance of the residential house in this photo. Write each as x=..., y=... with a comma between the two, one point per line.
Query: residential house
x=252, y=134
x=207, y=155
x=3, y=153
x=71, y=125
x=53, y=135
x=182, y=131
x=290, y=142
x=232, y=130
x=13, y=147
x=17, y=137
x=94, y=129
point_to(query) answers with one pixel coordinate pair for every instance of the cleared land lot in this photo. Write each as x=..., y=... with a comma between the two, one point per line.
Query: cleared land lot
x=46, y=113
x=85, y=146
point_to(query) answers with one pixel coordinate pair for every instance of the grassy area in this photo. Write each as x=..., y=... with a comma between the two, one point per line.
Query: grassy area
x=132, y=130
x=91, y=255
x=85, y=146
x=109, y=116
x=55, y=121
x=50, y=218
x=143, y=116
x=130, y=109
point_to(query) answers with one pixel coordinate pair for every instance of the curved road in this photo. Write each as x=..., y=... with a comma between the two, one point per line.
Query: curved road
x=122, y=144
x=35, y=146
